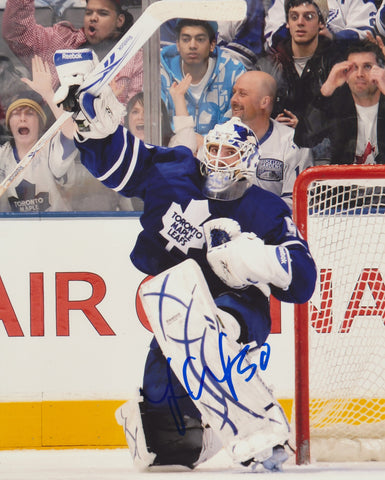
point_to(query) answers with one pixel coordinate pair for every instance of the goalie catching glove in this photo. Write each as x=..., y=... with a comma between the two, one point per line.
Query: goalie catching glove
x=96, y=117
x=242, y=259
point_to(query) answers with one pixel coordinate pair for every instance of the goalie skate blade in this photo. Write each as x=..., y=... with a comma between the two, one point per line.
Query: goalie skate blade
x=277, y=458
x=275, y=462
x=168, y=468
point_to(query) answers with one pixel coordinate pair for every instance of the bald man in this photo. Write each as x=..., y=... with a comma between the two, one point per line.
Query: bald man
x=281, y=159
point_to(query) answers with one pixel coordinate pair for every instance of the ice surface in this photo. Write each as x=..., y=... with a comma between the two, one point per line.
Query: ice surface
x=115, y=464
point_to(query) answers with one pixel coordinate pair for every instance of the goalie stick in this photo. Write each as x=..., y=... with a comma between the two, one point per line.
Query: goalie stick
x=131, y=42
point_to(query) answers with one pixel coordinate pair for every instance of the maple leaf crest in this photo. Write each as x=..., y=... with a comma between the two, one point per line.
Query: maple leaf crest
x=184, y=230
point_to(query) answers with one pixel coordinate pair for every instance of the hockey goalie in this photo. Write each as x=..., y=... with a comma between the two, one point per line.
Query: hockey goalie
x=216, y=246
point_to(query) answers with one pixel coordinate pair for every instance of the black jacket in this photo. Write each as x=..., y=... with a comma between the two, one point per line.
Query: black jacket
x=335, y=117
x=294, y=92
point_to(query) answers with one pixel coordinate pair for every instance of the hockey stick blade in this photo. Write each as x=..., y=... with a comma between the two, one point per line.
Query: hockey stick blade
x=131, y=42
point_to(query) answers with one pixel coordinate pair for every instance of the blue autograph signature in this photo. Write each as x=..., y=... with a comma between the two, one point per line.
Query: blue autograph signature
x=227, y=367
x=172, y=398
x=199, y=354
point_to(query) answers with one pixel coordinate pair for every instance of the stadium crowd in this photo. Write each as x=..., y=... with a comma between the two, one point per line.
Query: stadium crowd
x=307, y=77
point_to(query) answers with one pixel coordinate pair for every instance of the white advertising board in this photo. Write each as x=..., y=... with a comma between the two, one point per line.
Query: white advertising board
x=68, y=324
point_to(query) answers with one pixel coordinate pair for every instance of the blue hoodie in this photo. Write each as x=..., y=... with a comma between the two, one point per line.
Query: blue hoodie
x=213, y=106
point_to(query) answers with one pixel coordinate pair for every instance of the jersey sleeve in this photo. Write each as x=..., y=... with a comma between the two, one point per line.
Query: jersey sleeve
x=275, y=24
x=278, y=228
x=124, y=163
x=26, y=38
x=245, y=41
x=359, y=19
x=62, y=154
x=304, y=271
x=297, y=160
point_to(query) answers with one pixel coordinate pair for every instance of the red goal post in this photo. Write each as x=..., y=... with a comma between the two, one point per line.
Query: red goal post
x=339, y=408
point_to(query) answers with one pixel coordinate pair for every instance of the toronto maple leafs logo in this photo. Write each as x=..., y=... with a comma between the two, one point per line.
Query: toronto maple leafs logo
x=184, y=230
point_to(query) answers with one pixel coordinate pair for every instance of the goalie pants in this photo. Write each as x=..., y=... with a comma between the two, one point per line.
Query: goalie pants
x=171, y=421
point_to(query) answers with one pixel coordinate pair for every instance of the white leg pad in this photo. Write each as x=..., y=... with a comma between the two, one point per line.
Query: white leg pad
x=129, y=417
x=215, y=370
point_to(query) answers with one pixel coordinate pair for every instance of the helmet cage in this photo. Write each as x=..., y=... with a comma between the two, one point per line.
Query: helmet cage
x=220, y=172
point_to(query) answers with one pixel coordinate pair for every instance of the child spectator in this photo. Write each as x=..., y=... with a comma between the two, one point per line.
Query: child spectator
x=39, y=188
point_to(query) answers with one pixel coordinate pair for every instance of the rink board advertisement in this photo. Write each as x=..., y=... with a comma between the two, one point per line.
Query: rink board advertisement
x=72, y=348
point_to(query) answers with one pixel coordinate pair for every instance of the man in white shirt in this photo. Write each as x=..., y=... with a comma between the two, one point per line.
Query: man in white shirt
x=281, y=159
x=351, y=108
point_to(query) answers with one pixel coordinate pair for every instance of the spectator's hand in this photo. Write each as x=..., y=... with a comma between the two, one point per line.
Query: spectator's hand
x=377, y=40
x=41, y=78
x=287, y=118
x=325, y=32
x=179, y=89
x=42, y=84
x=178, y=92
x=117, y=87
x=338, y=75
x=377, y=76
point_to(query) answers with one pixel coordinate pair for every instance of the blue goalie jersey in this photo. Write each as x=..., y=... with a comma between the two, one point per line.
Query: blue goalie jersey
x=169, y=182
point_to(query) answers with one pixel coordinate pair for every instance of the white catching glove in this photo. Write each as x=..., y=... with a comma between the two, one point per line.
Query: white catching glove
x=242, y=259
x=99, y=116
x=72, y=67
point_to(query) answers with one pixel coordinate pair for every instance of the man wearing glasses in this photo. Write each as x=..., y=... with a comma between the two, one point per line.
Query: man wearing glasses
x=301, y=63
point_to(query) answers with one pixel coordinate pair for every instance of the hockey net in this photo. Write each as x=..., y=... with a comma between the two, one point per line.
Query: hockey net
x=340, y=333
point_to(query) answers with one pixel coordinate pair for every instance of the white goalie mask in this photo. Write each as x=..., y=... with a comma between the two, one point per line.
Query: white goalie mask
x=229, y=160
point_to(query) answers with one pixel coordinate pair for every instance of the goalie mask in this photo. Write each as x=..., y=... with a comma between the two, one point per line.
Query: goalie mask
x=229, y=160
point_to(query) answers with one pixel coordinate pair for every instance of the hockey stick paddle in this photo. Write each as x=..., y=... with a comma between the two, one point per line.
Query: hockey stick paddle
x=131, y=42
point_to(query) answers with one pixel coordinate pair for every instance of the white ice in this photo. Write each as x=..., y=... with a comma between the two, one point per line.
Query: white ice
x=115, y=464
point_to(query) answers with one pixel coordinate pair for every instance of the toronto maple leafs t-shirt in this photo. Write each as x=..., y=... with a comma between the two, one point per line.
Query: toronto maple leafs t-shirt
x=39, y=189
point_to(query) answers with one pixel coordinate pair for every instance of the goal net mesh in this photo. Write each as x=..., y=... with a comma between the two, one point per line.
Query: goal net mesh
x=346, y=318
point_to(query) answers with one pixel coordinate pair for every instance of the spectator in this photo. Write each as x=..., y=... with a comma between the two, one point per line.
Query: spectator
x=183, y=122
x=302, y=62
x=135, y=119
x=348, y=20
x=76, y=189
x=212, y=70
x=351, y=109
x=105, y=21
x=281, y=160
x=39, y=189
x=243, y=40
